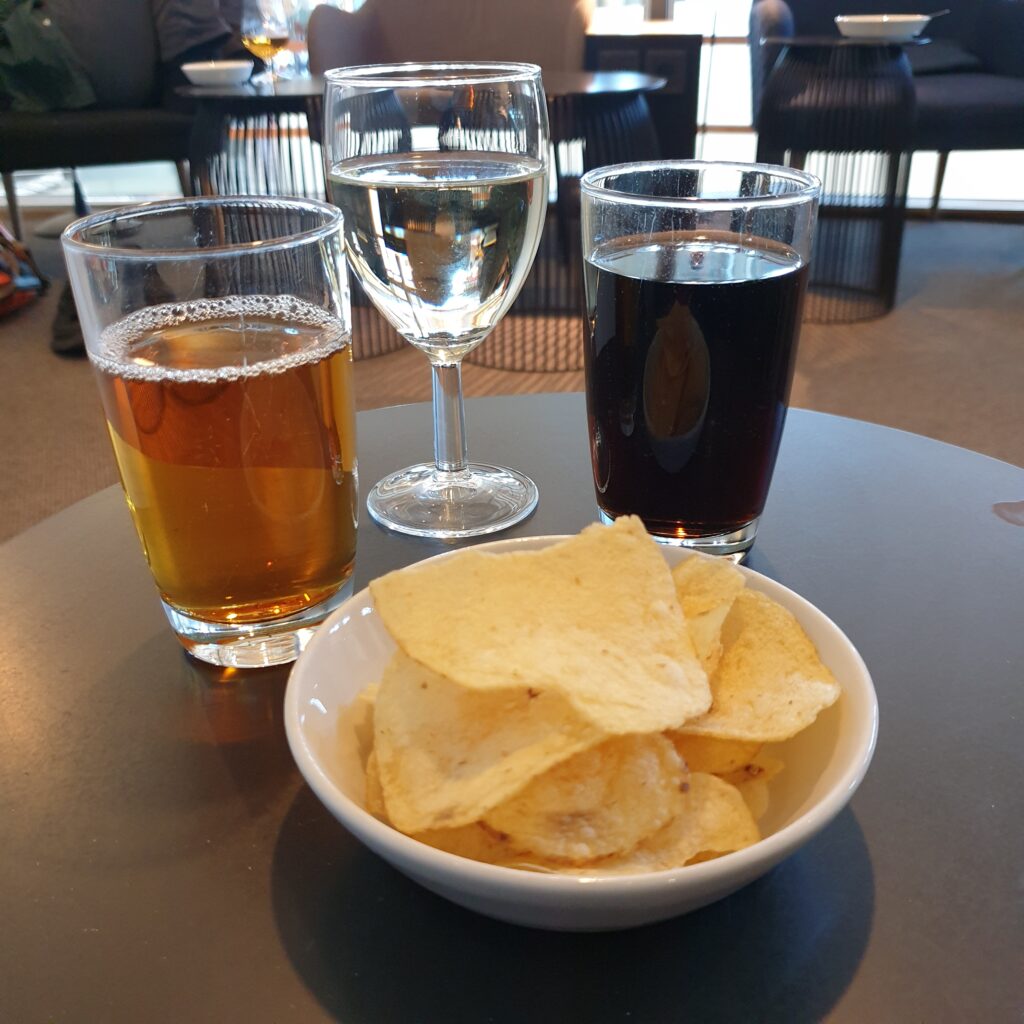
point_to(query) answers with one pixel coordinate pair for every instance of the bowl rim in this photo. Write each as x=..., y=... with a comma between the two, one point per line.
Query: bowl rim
x=215, y=65
x=881, y=19
x=508, y=880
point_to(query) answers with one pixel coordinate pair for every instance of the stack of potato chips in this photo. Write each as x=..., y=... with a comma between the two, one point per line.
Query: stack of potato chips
x=582, y=708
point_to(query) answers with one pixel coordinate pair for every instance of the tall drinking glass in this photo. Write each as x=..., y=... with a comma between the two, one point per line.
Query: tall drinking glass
x=695, y=276
x=218, y=330
x=440, y=170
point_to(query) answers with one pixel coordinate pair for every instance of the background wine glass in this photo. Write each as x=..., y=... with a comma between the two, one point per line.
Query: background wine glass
x=265, y=30
x=441, y=172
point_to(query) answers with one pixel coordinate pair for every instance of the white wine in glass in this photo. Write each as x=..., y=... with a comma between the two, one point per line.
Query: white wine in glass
x=265, y=30
x=441, y=173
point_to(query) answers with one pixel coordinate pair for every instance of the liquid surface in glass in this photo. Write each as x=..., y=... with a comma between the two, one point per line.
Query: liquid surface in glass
x=233, y=425
x=690, y=349
x=263, y=46
x=442, y=242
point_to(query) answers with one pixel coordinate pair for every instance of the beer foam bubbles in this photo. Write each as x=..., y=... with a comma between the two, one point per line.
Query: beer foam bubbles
x=139, y=347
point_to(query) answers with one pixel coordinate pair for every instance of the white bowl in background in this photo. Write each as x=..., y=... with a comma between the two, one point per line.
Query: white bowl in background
x=824, y=765
x=890, y=28
x=218, y=72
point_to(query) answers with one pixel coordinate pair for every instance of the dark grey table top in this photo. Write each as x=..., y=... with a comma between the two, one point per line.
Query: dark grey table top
x=838, y=40
x=162, y=860
x=556, y=83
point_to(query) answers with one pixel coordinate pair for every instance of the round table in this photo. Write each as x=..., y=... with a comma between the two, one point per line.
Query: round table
x=162, y=859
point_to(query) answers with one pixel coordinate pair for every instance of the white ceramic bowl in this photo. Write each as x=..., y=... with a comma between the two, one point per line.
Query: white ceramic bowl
x=824, y=765
x=890, y=28
x=218, y=72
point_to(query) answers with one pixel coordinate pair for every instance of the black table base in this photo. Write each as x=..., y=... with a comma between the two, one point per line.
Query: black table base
x=543, y=330
x=854, y=107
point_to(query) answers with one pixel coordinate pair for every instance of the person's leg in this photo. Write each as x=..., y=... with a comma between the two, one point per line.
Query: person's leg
x=66, y=334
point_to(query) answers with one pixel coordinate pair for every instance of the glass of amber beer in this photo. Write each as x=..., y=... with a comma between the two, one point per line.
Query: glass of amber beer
x=218, y=330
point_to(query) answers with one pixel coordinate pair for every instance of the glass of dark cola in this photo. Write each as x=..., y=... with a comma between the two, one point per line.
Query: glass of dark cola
x=695, y=278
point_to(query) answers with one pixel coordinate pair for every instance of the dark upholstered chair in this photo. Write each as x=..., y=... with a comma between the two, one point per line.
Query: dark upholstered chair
x=116, y=42
x=550, y=33
x=969, y=81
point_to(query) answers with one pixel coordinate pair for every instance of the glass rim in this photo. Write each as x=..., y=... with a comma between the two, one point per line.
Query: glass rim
x=71, y=237
x=416, y=73
x=592, y=185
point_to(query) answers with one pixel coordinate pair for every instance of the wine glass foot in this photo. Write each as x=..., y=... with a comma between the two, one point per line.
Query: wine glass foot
x=423, y=501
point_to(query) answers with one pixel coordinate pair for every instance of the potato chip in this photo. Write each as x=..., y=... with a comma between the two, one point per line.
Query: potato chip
x=548, y=710
x=359, y=718
x=714, y=819
x=706, y=588
x=477, y=842
x=714, y=756
x=764, y=767
x=594, y=618
x=600, y=802
x=770, y=682
x=740, y=763
x=374, y=799
x=448, y=754
x=756, y=796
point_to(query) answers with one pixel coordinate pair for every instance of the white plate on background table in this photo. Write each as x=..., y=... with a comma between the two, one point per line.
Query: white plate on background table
x=218, y=72
x=888, y=28
x=824, y=765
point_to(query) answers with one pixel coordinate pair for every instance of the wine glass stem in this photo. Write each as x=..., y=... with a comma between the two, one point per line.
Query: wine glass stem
x=450, y=453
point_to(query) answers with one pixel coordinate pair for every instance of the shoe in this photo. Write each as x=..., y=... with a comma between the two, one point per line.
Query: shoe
x=66, y=335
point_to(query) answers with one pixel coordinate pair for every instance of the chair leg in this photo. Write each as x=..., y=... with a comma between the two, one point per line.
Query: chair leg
x=940, y=173
x=893, y=220
x=12, y=205
x=184, y=177
x=81, y=206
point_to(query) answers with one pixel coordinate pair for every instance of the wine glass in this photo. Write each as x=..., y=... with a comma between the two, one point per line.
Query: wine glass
x=265, y=30
x=441, y=173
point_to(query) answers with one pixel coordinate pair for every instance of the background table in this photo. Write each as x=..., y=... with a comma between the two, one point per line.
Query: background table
x=851, y=101
x=597, y=119
x=656, y=48
x=258, y=139
x=241, y=133
x=162, y=860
